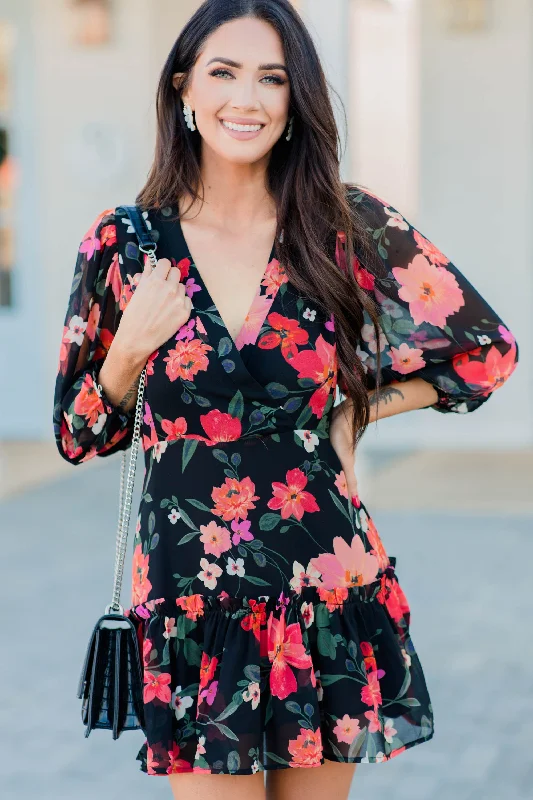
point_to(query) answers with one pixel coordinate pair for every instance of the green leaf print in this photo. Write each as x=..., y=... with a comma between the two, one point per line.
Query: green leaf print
x=188, y=451
x=327, y=646
x=234, y=761
x=198, y=504
x=357, y=743
x=230, y=709
x=276, y=390
x=236, y=405
x=255, y=581
x=188, y=537
x=193, y=652
x=269, y=521
x=339, y=505
x=226, y=731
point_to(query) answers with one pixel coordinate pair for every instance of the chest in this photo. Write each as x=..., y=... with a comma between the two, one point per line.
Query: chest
x=231, y=267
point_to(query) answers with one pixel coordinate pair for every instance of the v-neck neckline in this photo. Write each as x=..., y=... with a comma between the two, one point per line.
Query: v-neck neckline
x=216, y=312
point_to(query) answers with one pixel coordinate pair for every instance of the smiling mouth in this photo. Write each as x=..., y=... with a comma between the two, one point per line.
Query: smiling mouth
x=234, y=126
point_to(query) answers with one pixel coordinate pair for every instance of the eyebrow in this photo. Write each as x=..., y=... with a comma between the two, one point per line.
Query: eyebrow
x=231, y=63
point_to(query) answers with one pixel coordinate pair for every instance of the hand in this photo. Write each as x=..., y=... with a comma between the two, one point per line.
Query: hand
x=158, y=307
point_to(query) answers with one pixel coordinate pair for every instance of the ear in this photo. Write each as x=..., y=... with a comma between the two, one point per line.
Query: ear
x=177, y=80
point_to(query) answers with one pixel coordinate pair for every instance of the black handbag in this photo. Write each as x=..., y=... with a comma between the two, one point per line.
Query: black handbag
x=111, y=682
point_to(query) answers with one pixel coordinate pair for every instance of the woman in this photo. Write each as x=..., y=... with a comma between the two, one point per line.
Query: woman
x=275, y=631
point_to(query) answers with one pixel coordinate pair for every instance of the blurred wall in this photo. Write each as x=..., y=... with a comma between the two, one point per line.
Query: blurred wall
x=440, y=124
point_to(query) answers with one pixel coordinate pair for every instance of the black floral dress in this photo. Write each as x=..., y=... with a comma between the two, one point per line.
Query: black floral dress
x=274, y=630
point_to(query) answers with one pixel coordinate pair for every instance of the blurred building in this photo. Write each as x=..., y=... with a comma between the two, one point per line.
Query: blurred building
x=440, y=107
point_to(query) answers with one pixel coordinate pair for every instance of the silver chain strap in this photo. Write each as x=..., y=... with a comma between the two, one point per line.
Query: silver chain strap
x=126, y=484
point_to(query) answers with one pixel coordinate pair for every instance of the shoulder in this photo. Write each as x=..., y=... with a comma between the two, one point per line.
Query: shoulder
x=374, y=208
x=101, y=235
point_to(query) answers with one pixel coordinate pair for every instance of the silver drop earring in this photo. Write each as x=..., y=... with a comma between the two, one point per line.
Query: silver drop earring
x=188, y=114
x=289, y=132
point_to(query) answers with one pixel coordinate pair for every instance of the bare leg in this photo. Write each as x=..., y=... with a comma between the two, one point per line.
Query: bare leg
x=331, y=779
x=202, y=786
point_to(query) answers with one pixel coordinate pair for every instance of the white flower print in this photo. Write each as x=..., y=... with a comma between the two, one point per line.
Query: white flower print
x=309, y=314
x=308, y=614
x=252, y=693
x=388, y=730
x=209, y=573
x=369, y=336
x=174, y=516
x=255, y=766
x=159, y=449
x=304, y=577
x=180, y=704
x=76, y=330
x=200, y=749
x=130, y=228
x=309, y=439
x=235, y=567
x=396, y=220
x=99, y=424
x=484, y=339
x=170, y=627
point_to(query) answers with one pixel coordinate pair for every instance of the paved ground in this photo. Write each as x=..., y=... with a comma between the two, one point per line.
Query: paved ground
x=468, y=580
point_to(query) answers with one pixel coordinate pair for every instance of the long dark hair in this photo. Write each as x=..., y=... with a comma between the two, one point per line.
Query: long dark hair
x=313, y=204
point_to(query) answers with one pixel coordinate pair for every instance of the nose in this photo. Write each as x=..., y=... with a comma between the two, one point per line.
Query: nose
x=244, y=95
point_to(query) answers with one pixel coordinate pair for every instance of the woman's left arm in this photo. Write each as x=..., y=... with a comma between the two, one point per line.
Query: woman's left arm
x=442, y=345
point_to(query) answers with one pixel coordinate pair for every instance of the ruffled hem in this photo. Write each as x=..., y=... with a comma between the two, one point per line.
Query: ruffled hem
x=244, y=684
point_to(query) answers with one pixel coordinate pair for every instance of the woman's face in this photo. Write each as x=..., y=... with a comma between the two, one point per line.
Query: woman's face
x=239, y=78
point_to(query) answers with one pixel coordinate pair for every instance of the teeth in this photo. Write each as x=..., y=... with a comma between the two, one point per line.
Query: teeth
x=233, y=126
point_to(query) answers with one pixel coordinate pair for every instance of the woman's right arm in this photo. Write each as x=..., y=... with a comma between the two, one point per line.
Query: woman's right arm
x=108, y=336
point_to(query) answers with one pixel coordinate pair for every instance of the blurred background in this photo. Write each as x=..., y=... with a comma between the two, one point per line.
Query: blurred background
x=438, y=98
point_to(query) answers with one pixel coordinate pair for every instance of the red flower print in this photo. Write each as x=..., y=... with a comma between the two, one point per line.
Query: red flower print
x=108, y=233
x=92, y=321
x=376, y=544
x=255, y=621
x=321, y=366
x=187, y=359
x=333, y=598
x=141, y=586
x=491, y=373
x=88, y=402
x=174, y=430
x=371, y=693
x=286, y=334
x=234, y=498
x=374, y=721
x=157, y=686
x=392, y=596
x=193, y=604
x=177, y=764
x=285, y=650
x=114, y=278
x=368, y=655
x=275, y=276
x=291, y=497
x=306, y=749
x=207, y=669
x=220, y=427
x=184, y=265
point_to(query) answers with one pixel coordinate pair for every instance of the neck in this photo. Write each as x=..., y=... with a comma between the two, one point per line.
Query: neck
x=234, y=194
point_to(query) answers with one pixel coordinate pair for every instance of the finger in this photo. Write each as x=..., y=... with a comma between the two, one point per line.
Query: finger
x=174, y=276
x=148, y=268
x=162, y=268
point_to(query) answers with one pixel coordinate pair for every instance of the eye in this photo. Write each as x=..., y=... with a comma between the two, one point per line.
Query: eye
x=276, y=79
x=219, y=71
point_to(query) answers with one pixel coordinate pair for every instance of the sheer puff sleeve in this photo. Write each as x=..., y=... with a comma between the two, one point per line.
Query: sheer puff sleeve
x=86, y=423
x=434, y=324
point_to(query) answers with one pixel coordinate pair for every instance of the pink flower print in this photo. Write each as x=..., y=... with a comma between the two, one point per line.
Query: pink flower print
x=170, y=627
x=432, y=292
x=406, y=359
x=76, y=330
x=215, y=539
x=283, y=601
x=396, y=220
x=346, y=729
x=349, y=565
x=191, y=287
x=388, y=730
x=148, y=418
x=340, y=483
x=307, y=611
x=241, y=530
x=186, y=331
x=209, y=693
x=429, y=250
x=506, y=334
x=374, y=721
x=200, y=325
x=330, y=324
x=285, y=651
